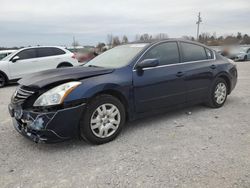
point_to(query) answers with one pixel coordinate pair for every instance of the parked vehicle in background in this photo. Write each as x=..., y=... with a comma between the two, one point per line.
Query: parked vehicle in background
x=124, y=83
x=4, y=53
x=86, y=57
x=234, y=52
x=83, y=53
x=239, y=54
x=34, y=59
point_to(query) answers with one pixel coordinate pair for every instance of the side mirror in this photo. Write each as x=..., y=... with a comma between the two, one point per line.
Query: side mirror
x=14, y=59
x=147, y=63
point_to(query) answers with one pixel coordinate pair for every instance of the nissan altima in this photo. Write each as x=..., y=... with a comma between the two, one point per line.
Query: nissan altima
x=130, y=81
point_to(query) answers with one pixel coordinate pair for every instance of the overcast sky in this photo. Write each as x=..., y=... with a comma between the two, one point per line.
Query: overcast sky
x=55, y=22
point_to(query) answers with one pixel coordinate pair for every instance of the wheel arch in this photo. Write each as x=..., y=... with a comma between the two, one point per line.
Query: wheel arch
x=5, y=75
x=117, y=94
x=66, y=64
x=225, y=77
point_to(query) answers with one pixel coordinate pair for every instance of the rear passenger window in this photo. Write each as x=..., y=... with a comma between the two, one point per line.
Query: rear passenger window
x=192, y=52
x=209, y=54
x=166, y=53
x=58, y=51
x=45, y=52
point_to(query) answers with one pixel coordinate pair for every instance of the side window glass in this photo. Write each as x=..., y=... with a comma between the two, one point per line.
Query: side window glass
x=209, y=54
x=166, y=53
x=58, y=51
x=193, y=52
x=27, y=54
x=44, y=52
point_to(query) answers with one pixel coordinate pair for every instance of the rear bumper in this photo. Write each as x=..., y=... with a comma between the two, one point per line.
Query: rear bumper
x=233, y=78
x=47, y=127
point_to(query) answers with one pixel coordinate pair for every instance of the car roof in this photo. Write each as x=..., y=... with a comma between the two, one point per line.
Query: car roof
x=30, y=47
x=155, y=41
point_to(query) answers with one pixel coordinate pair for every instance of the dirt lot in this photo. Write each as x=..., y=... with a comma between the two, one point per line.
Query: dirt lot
x=204, y=148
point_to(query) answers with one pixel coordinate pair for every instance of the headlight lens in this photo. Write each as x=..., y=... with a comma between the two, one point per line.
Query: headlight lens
x=56, y=95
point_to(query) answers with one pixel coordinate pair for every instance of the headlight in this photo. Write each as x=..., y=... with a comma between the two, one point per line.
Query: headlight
x=56, y=95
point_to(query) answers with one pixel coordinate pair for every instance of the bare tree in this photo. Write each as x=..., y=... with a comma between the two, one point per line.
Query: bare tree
x=188, y=37
x=110, y=39
x=100, y=46
x=161, y=36
x=137, y=37
x=145, y=37
x=75, y=43
x=229, y=40
x=124, y=39
x=246, y=39
x=239, y=36
x=206, y=38
x=116, y=41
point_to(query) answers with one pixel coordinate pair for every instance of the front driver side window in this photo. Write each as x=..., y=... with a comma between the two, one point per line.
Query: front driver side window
x=27, y=54
x=167, y=53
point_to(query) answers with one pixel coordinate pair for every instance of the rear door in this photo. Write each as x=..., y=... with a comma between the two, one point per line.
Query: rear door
x=49, y=57
x=26, y=64
x=199, y=67
x=161, y=86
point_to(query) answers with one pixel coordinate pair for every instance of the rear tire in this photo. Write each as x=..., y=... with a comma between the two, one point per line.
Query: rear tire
x=3, y=80
x=218, y=93
x=64, y=65
x=102, y=120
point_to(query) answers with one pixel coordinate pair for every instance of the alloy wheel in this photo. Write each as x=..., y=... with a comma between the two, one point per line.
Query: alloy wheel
x=105, y=120
x=220, y=93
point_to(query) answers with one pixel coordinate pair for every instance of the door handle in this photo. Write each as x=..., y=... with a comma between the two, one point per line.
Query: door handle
x=180, y=74
x=213, y=66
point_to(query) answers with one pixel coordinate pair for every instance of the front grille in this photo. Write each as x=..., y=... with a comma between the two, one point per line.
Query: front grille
x=21, y=95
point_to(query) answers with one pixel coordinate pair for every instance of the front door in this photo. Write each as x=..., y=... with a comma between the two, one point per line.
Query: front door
x=26, y=64
x=161, y=86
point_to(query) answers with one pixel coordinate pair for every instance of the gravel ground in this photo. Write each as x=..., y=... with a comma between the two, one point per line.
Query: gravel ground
x=192, y=147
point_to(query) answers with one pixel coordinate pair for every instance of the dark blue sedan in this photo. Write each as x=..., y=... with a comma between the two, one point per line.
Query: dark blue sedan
x=125, y=83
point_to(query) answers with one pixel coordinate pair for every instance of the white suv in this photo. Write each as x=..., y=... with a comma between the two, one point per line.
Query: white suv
x=34, y=59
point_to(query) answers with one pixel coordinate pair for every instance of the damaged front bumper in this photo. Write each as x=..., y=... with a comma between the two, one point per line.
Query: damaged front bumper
x=47, y=127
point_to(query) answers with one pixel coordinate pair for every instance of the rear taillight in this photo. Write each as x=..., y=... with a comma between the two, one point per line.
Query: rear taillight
x=74, y=56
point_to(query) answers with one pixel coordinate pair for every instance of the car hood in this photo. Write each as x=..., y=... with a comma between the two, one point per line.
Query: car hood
x=57, y=76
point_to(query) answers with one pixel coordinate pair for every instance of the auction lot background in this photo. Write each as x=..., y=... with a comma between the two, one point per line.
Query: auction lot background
x=192, y=147
x=204, y=148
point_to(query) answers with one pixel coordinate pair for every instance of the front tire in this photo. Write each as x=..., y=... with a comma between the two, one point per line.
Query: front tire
x=3, y=80
x=218, y=93
x=103, y=119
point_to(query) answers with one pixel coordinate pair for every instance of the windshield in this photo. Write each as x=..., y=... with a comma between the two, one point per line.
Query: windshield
x=117, y=57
